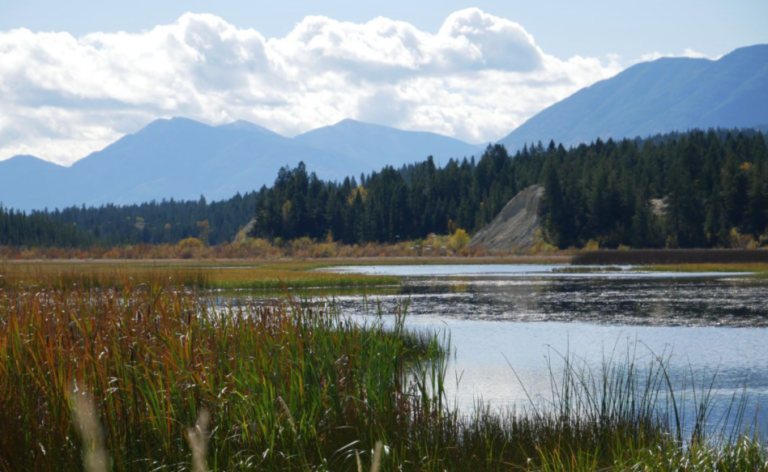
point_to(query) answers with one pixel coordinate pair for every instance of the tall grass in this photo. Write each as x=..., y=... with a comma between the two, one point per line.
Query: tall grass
x=75, y=277
x=266, y=276
x=152, y=378
x=152, y=359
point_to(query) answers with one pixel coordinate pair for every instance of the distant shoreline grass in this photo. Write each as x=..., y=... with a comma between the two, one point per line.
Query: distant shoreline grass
x=277, y=275
x=559, y=258
x=759, y=270
x=648, y=257
x=257, y=277
x=226, y=274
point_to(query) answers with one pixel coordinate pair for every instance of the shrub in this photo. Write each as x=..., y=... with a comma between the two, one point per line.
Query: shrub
x=741, y=241
x=592, y=245
x=541, y=245
x=190, y=243
x=459, y=239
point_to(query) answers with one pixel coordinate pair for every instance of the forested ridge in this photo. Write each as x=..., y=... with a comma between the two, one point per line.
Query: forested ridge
x=700, y=189
x=20, y=229
x=148, y=223
x=696, y=189
x=165, y=221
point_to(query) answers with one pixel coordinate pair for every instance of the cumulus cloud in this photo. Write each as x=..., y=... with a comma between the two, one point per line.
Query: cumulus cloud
x=476, y=78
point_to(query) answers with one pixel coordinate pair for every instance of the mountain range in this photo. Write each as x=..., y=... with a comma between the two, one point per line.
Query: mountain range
x=668, y=94
x=183, y=159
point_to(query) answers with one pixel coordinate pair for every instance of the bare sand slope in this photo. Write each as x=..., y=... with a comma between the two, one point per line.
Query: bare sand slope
x=515, y=225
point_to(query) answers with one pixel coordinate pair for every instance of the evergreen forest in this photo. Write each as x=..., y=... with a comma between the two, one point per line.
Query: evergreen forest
x=694, y=189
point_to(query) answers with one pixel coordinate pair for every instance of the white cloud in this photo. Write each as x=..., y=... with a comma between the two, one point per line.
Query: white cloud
x=687, y=52
x=476, y=78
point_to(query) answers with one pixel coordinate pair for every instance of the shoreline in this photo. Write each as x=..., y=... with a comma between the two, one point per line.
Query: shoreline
x=320, y=261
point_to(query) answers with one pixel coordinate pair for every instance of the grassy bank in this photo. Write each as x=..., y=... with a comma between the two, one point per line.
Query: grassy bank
x=671, y=256
x=433, y=246
x=228, y=274
x=291, y=385
x=758, y=269
x=264, y=275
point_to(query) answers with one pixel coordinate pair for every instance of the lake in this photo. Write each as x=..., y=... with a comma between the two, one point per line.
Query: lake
x=505, y=317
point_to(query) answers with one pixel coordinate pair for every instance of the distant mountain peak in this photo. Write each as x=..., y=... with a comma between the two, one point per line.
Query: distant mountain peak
x=353, y=122
x=176, y=122
x=668, y=94
x=759, y=49
x=23, y=157
x=243, y=125
x=182, y=158
x=28, y=160
x=349, y=124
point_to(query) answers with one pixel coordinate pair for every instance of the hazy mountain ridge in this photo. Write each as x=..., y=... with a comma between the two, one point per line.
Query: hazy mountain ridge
x=657, y=97
x=364, y=139
x=181, y=158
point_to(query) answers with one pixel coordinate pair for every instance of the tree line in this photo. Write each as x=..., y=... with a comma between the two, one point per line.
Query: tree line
x=19, y=229
x=167, y=221
x=390, y=205
x=700, y=189
x=694, y=189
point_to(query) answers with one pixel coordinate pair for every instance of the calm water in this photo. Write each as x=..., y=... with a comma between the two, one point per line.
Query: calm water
x=521, y=316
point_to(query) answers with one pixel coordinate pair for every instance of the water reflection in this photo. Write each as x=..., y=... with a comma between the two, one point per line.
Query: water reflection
x=660, y=302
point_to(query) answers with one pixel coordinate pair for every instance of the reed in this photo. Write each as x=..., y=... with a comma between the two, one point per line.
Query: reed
x=152, y=358
x=146, y=377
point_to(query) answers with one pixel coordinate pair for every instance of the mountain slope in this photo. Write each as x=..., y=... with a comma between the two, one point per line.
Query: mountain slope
x=655, y=97
x=374, y=146
x=183, y=159
x=28, y=182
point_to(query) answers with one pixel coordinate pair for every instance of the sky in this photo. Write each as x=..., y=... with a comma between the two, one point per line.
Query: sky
x=77, y=75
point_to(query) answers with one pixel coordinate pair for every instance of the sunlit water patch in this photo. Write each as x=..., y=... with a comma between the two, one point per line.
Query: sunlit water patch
x=519, y=270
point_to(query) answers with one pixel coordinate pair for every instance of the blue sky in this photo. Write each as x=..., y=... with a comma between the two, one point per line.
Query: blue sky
x=563, y=28
x=77, y=75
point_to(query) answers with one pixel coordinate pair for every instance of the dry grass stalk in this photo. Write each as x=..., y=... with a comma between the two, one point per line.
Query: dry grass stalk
x=288, y=415
x=376, y=464
x=198, y=441
x=95, y=457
